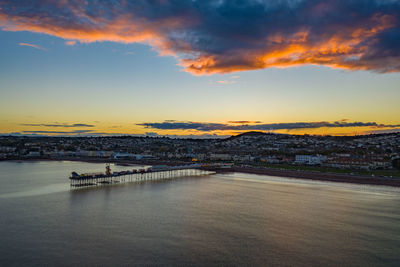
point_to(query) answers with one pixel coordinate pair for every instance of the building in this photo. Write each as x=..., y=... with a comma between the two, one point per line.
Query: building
x=310, y=159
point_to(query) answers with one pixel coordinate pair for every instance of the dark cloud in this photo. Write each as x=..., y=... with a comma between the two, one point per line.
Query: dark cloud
x=206, y=127
x=243, y=122
x=95, y=134
x=75, y=125
x=219, y=36
x=58, y=132
x=200, y=126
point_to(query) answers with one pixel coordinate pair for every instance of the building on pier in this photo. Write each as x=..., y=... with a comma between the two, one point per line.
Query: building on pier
x=150, y=174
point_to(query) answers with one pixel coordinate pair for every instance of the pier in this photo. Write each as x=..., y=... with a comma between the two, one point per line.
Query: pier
x=154, y=173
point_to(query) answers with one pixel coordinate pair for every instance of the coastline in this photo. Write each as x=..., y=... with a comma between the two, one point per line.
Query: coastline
x=100, y=160
x=321, y=176
x=295, y=174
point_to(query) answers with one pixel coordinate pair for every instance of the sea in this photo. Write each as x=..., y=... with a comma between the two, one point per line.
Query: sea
x=232, y=219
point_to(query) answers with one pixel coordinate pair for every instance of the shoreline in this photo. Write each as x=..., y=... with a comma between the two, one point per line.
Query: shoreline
x=320, y=176
x=295, y=174
x=120, y=162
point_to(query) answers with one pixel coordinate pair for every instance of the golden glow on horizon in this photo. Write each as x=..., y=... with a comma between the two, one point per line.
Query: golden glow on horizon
x=108, y=128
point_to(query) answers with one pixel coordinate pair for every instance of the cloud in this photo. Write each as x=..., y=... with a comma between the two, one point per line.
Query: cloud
x=80, y=133
x=244, y=122
x=195, y=136
x=95, y=134
x=206, y=127
x=58, y=132
x=222, y=36
x=70, y=43
x=226, y=82
x=32, y=45
x=75, y=125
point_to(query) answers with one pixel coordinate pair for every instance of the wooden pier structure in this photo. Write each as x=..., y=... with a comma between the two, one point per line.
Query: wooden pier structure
x=136, y=175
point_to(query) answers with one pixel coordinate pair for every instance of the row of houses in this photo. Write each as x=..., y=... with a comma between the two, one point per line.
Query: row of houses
x=343, y=162
x=89, y=154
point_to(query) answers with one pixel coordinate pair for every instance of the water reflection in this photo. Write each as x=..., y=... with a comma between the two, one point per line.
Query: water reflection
x=230, y=219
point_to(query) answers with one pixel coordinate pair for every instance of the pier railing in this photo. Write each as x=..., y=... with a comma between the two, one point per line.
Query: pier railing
x=150, y=174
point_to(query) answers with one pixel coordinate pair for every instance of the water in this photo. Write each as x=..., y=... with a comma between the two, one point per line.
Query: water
x=230, y=219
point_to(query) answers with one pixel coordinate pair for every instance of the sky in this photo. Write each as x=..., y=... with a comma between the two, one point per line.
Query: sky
x=199, y=68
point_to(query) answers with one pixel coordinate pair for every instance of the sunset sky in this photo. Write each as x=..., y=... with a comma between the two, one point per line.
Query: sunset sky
x=199, y=67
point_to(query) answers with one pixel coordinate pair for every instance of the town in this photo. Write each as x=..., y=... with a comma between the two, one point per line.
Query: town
x=365, y=152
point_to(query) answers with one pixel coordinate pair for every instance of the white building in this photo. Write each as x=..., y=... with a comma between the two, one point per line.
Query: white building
x=310, y=159
x=132, y=156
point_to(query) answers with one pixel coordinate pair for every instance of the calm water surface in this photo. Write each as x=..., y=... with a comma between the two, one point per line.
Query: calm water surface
x=230, y=219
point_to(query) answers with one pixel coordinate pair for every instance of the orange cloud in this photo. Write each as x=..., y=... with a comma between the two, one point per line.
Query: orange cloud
x=224, y=37
x=70, y=43
x=338, y=51
x=226, y=82
x=32, y=45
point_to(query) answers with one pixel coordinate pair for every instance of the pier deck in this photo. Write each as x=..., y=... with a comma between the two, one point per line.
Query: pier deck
x=134, y=175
